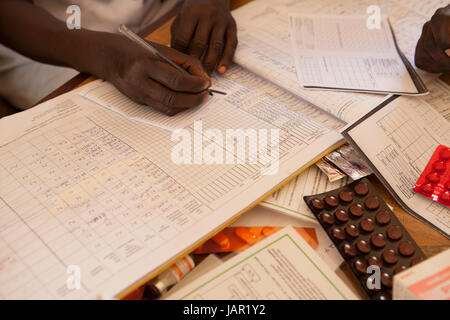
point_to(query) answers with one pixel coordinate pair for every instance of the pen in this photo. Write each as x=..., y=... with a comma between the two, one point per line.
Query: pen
x=146, y=45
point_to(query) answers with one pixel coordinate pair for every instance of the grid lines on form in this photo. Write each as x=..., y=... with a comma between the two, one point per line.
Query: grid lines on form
x=205, y=182
x=102, y=206
x=415, y=144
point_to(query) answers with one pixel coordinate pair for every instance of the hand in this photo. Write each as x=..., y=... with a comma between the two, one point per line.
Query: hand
x=206, y=30
x=431, y=54
x=149, y=81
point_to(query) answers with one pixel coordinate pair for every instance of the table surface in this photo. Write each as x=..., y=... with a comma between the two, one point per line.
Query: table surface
x=428, y=239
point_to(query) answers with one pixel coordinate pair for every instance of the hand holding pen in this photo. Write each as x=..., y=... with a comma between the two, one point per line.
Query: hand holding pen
x=156, y=53
x=147, y=79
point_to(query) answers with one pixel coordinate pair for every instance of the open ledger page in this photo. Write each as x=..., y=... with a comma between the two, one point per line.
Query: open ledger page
x=336, y=52
x=86, y=188
x=398, y=138
x=265, y=46
x=281, y=267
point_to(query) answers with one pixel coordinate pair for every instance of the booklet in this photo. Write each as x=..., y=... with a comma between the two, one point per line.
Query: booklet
x=343, y=53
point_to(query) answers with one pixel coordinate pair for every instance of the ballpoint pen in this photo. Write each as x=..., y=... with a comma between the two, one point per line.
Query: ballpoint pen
x=146, y=45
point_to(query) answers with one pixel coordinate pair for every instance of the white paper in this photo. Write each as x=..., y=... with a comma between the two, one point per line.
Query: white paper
x=341, y=53
x=439, y=97
x=265, y=49
x=282, y=266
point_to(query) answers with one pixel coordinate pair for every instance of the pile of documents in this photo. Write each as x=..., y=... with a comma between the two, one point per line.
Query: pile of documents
x=88, y=181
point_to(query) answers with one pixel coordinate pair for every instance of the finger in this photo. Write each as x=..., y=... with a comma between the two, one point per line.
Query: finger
x=434, y=51
x=182, y=31
x=168, y=101
x=440, y=27
x=215, y=49
x=188, y=63
x=200, y=41
x=422, y=58
x=230, y=48
x=174, y=79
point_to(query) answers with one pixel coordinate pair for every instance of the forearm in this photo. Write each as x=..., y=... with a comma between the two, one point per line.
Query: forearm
x=35, y=33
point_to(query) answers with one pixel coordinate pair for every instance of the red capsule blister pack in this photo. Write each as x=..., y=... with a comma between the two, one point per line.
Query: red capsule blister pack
x=434, y=183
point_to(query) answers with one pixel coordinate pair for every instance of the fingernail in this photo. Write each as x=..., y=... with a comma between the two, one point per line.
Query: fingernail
x=208, y=84
x=222, y=69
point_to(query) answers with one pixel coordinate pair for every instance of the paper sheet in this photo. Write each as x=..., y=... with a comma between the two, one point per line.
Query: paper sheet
x=439, y=97
x=289, y=199
x=407, y=131
x=282, y=266
x=330, y=55
x=265, y=49
x=84, y=188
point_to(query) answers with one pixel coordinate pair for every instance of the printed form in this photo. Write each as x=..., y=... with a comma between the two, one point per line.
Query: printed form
x=84, y=187
x=336, y=52
x=398, y=139
x=282, y=266
x=265, y=45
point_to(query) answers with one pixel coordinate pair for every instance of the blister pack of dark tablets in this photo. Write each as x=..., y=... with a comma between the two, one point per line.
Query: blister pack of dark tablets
x=367, y=234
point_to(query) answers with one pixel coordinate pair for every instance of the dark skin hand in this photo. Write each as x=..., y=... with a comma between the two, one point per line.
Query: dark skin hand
x=206, y=30
x=136, y=73
x=433, y=48
x=149, y=81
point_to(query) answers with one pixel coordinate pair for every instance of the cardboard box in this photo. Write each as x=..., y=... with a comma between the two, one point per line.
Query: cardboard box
x=428, y=280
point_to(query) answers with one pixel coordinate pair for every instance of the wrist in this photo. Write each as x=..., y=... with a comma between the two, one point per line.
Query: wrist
x=91, y=50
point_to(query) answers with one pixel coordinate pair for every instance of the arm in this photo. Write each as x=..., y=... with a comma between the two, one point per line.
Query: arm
x=35, y=33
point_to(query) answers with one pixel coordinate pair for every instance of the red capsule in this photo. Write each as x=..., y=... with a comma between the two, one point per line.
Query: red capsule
x=445, y=196
x=434, y=177
x=439, y=166
x=428, y=188
x=445, y=154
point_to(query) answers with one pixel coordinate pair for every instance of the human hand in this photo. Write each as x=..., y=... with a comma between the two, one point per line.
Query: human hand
x=206, y=30
x=149, y=81
x=433, y=47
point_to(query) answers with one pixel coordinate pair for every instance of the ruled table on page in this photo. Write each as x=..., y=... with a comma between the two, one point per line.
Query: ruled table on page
x=91, y=189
